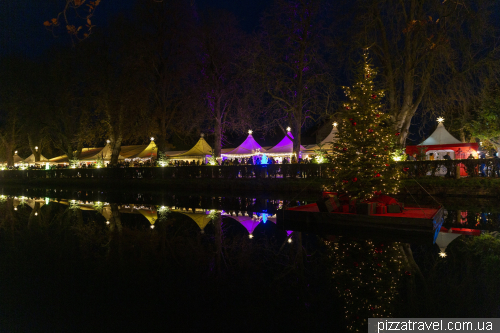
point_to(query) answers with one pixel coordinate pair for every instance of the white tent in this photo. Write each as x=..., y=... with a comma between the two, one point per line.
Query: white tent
x=150, y=151
x=31, y=159
x=440, y=137
x=326, y=143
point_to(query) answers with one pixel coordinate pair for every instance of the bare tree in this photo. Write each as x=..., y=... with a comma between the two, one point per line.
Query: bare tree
x=416, y=43
x=289, y=66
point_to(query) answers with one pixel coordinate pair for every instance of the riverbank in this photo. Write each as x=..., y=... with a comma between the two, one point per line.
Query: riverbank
x=421, y=187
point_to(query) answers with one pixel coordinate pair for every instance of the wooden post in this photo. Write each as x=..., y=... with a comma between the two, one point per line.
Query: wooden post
x=457, y=171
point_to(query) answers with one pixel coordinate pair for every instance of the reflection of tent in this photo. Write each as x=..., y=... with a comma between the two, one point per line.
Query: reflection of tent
x=31, y=159
x=200, y=151
x=445, y=238
x=247, y=221
x=247, y=148
x=201, y=219
x=284, y=147
x=440, y=142
x=151, y=215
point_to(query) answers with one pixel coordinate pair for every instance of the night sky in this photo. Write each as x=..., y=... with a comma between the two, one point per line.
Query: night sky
x=22, y=31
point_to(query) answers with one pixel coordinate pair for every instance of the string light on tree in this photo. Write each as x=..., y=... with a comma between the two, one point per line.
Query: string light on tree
x=361, y=163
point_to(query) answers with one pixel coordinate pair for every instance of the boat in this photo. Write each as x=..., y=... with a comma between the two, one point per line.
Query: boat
x=412, y=224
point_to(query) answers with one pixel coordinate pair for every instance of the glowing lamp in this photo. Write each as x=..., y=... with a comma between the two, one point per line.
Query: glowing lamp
x=15, y=208
x=36, y=147
x=442, y=254
x=250, y=132
x=36, y=214
x=108, y=141
x=15, y=152
x=152, y=139
x=152, y=226
x=250, y=236
x=107, y=222
x=288, y=129
x=440, y=119
x=335, y=124
x=289, y=240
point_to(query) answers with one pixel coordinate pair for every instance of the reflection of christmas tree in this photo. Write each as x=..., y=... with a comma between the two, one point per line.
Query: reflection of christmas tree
x=366, y=276
x=366, y=140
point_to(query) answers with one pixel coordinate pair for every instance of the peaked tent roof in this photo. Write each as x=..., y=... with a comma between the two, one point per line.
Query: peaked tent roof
x=31, y=159
x=105, y=153
x=332, y=137
x=86, y=153
x=201, y=148
x=248, y=147
x=284, y=146
x=131, y=151
x=440, y=137
x=149, y=151
x=17, y=158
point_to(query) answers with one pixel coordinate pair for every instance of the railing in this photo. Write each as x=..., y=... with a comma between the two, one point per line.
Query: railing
x=446, y=168
x=449, y=168
x=183, y=172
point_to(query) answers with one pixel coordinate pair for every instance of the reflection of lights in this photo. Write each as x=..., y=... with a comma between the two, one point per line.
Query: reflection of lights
x=250, y=236
x=288, y=129
x=152, y=226
x=36, y=214
x=440, y=119
x=289, y=240
x=47, y=201
x=36, y=147
x=15, y=152
x=15, y=208
x=107, y=222
x=108, y=141
x=442, y=254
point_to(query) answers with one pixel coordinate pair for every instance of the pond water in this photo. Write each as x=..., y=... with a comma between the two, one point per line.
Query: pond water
x=99, y=261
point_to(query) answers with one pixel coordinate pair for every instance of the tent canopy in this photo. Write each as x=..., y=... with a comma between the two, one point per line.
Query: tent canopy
x=332, y=137
x=148, y=151
x=199, y=150
x=285, y=146
x=31, y=159
x=440, y=137
x=248, y=147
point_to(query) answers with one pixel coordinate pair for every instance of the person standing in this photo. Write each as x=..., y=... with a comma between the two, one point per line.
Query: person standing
x=447, y=156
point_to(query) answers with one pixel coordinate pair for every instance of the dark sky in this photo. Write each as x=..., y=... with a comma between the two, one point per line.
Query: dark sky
x=22, y=30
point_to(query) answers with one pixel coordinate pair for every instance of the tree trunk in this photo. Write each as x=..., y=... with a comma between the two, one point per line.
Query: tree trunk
x=9, y=151
x=218, y=134
x=297, y=131
x=116, y=147
x=34, y=151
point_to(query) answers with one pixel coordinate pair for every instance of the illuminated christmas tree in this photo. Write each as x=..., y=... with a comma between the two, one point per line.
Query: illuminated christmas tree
x=362, y=163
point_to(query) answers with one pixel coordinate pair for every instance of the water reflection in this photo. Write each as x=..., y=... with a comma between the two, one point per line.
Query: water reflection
x=164, y=257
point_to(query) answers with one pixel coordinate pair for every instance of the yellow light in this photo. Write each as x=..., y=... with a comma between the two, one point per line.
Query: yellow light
x=152, y=226
x=440, y=119
x=442, y=254
x=152, y=139
x=289, y=240
x=250, y=132
x=107, y=222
